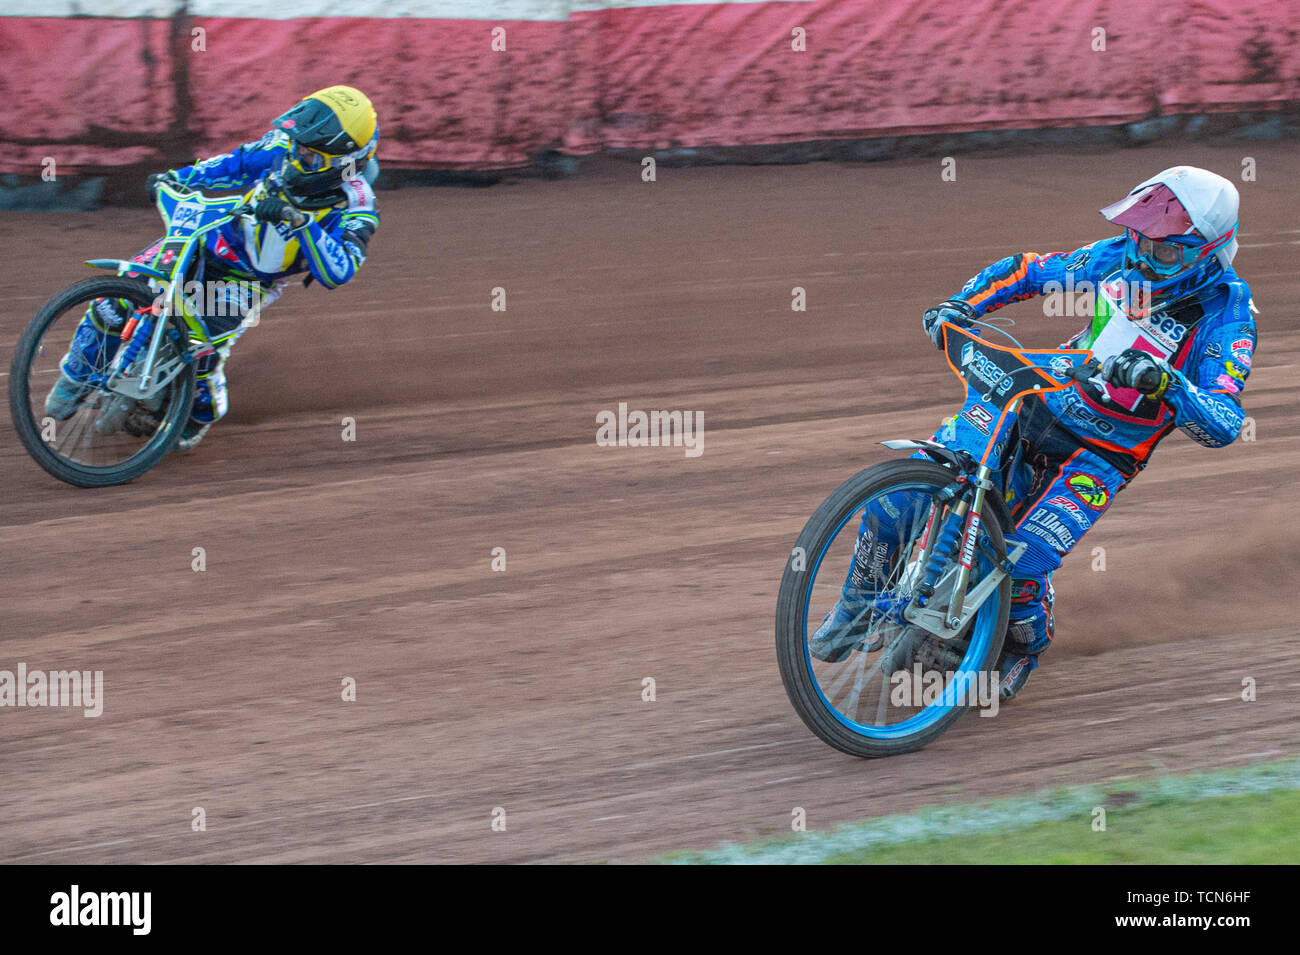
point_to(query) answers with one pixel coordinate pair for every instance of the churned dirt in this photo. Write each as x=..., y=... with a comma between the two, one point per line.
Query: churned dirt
x=521, y=690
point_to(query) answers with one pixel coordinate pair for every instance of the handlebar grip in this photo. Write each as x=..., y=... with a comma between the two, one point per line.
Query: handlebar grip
x=1149, y=381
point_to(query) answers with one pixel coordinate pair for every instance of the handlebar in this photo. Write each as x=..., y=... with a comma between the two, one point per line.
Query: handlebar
x=241, y=211
x=1146, y=384
x=1085, y=371
x=1149, y=381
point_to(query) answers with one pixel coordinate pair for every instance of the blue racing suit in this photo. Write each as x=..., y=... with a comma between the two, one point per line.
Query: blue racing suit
x=1081, y=445
x=330, y=246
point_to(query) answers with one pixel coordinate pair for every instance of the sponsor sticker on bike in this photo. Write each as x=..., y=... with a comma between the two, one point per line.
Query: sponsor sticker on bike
x=985, y=369
x=979, y=417
x=186, y=215
x=972, y=532
x=223, y=250
x=1061, y=366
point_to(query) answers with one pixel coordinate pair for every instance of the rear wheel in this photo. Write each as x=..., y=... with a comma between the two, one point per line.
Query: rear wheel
x=86, y=434
x=880, y=685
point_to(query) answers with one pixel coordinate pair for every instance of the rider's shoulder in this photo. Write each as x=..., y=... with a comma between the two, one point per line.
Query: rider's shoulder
x=1111, y=247
x=273, y=139
x=1228, y=315
x=1230, y=297
x=1101, y=254
x=1237, y=287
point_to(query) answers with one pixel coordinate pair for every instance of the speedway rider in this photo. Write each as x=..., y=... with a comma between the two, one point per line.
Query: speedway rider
x=1166, y=300
x=317, y=216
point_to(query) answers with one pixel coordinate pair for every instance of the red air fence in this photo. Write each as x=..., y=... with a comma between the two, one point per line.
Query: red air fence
x=104, y=83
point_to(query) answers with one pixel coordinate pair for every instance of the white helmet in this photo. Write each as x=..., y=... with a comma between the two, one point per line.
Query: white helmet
x=1195, y=209
x=1210, y=199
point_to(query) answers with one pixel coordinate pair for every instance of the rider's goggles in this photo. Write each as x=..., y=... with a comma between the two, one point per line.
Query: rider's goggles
x=308, y=160
x=1171, y=255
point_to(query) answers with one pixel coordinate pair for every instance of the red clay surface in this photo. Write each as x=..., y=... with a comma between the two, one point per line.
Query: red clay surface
x=475, y=430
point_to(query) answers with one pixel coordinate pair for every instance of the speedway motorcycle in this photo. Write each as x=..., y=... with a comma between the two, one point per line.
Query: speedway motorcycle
x=136, y=401
x=923, y=650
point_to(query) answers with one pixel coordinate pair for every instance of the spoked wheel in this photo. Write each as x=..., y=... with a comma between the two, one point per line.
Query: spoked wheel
x=874, y=684
x=75, y=428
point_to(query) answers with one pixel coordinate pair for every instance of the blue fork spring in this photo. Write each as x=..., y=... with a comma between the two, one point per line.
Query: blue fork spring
x=944, y=547
x=138, y=339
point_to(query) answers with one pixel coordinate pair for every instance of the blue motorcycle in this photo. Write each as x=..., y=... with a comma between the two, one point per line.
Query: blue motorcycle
x=930, y=570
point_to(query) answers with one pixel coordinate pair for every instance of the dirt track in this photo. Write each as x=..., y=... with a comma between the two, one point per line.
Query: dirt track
x=475, y=430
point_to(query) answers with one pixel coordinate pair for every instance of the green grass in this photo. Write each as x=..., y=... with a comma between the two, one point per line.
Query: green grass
x=1243, y=815
x=1255, y=829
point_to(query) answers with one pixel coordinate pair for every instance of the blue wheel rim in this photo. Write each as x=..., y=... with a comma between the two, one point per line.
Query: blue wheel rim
x=964, y=679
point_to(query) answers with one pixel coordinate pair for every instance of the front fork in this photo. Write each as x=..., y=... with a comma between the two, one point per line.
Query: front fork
x=960, y=536
x=962, y=525
x=983, y=482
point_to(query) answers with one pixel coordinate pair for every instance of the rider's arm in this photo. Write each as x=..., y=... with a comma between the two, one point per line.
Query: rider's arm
x=334, y=255
x=1025, y=274
x=235, y=170
x=1206, y=398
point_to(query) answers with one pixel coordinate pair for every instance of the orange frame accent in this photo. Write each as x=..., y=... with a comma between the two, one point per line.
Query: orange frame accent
x=1053, y=383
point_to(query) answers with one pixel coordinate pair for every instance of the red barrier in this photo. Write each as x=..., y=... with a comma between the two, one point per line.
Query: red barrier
x=728, y=74
x=84, y=92
x=101, y=91
x=444, y=97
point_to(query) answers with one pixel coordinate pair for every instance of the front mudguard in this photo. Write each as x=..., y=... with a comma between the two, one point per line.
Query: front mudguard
x=959, y=460
x=123, y=265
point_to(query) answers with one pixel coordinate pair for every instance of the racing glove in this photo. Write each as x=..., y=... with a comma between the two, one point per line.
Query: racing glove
x=155, y=180
x=1139, y=370
x=954, y=310
x=271, y=209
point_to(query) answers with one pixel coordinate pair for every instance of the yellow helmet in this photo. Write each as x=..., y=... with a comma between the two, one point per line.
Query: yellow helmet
x=332, y=132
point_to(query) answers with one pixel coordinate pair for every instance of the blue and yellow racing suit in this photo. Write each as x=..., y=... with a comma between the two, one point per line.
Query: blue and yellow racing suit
x=330, y=247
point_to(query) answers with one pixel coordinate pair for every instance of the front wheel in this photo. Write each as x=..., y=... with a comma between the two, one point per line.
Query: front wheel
x=865, y=680
x=76, y=429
